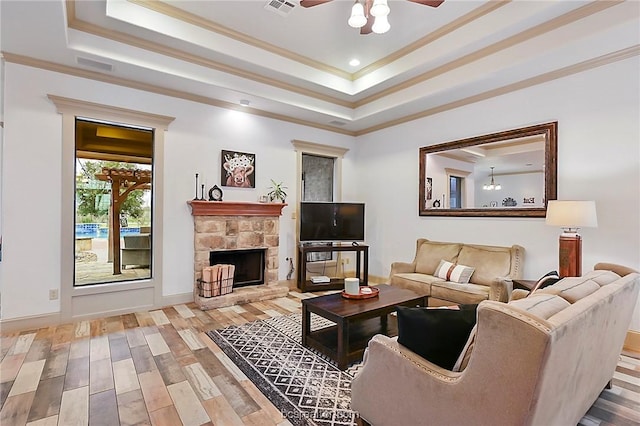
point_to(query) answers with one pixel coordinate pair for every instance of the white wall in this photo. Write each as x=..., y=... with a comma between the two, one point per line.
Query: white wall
x=516, y=186
x=32, y=164
x=598, y=159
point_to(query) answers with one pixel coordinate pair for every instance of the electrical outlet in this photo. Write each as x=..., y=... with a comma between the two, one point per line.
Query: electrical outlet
x=53, y=294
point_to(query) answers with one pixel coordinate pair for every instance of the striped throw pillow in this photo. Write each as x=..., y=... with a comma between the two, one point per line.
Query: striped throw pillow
x=452, y=272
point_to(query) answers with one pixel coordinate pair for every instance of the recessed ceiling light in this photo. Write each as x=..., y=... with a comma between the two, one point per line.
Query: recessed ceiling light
x=244, y=102
x=354, y=62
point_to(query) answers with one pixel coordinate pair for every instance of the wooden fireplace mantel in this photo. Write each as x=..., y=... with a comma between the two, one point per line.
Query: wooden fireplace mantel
x=235, y=208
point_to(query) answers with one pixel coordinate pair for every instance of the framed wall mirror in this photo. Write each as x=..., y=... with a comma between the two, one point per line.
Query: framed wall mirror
x=509, y=173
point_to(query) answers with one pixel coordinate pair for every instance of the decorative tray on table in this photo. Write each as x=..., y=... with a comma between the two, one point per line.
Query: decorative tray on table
x=365, y=293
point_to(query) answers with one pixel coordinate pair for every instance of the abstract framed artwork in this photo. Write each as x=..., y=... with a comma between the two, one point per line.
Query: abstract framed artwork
x=238, y=169
x=428, y=188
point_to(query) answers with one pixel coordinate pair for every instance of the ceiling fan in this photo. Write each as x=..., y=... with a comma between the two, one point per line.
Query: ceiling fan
x=368, y=27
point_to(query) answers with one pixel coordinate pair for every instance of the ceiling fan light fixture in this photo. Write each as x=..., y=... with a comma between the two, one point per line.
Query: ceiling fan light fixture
x=381, y=25
x=357, y=18
x=380, y=8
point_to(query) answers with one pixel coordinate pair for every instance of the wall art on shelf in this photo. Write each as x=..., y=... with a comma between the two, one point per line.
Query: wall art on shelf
x=509, y=202
x=238, y=169
x=428, y=188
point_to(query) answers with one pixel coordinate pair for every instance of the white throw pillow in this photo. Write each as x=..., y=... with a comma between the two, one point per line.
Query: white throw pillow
x=452, y=272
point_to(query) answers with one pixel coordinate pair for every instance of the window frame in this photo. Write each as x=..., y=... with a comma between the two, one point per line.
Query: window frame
x=121, y=297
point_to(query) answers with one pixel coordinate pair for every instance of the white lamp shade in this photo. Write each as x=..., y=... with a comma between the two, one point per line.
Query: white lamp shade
x=357, y=18
x=380, y=25
x=380, y=8
x=572, y=214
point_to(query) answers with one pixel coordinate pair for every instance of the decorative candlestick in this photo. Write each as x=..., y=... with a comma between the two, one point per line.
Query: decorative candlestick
x=202, y=192
x=196, y=198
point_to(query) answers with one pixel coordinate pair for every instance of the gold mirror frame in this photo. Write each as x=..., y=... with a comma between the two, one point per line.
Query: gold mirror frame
x=550, y=133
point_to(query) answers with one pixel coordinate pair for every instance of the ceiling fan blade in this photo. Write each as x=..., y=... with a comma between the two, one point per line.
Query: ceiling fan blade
x=367, y=28
x=311, y=3
x=432, y=3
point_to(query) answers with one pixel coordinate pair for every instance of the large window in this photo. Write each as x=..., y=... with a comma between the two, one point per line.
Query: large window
x=455, y=192
x=113, y=214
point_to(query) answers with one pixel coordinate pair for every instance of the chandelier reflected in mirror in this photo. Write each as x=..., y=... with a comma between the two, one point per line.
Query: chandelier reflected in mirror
x=492, y=186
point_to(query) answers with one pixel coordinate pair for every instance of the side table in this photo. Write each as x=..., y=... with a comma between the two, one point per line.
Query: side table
x=524, y=284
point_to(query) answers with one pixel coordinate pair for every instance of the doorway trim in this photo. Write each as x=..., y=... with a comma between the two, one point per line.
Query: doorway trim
x=112, y=298
x=303, y=147
x=329, y=151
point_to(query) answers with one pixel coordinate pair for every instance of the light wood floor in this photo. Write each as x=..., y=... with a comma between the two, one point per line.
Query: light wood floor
x=159, y=368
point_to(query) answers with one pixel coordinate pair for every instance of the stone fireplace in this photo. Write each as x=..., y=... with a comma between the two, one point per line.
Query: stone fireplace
x=224, y=227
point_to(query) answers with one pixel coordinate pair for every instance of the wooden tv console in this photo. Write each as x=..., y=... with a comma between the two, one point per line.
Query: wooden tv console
x=362, y=264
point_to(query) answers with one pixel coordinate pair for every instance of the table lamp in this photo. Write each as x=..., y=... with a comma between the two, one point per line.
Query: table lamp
x=571, y=216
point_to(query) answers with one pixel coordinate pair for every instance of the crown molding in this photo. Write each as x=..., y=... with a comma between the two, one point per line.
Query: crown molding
x=179, y=14
x=519, y=85
x=431, y=37
x=523, y=84
x=92, y=75
x=560, y=21
x=89, y=28
x=74, y=23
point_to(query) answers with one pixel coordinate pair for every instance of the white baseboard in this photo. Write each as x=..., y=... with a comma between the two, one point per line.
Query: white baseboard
x=177, y=299
x=54, y=319
x=632, y=342
x=30, y=322
x=375, y=279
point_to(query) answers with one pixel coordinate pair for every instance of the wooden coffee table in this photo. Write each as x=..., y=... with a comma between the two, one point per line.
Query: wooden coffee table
x=356, y=321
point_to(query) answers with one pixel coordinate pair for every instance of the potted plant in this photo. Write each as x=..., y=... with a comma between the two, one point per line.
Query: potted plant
x=276, y=192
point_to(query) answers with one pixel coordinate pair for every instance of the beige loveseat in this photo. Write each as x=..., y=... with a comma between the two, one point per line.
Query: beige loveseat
x=541, y=360
x=495, y=267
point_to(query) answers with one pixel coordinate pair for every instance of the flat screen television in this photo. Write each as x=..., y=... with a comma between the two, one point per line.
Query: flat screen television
x=325, y=221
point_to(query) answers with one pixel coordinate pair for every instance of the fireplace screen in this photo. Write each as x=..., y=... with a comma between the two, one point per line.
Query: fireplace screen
x=249, y=263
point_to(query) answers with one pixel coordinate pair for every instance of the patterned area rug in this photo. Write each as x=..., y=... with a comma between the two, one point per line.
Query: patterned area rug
x=304, y=385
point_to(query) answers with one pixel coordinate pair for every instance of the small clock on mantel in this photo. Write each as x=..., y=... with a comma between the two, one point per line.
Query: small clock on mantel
x=215, y=193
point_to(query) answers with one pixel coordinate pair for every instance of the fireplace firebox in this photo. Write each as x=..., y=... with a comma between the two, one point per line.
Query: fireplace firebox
x=249, y=263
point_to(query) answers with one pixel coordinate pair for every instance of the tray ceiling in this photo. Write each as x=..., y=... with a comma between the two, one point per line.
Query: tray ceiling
x=296, y=67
